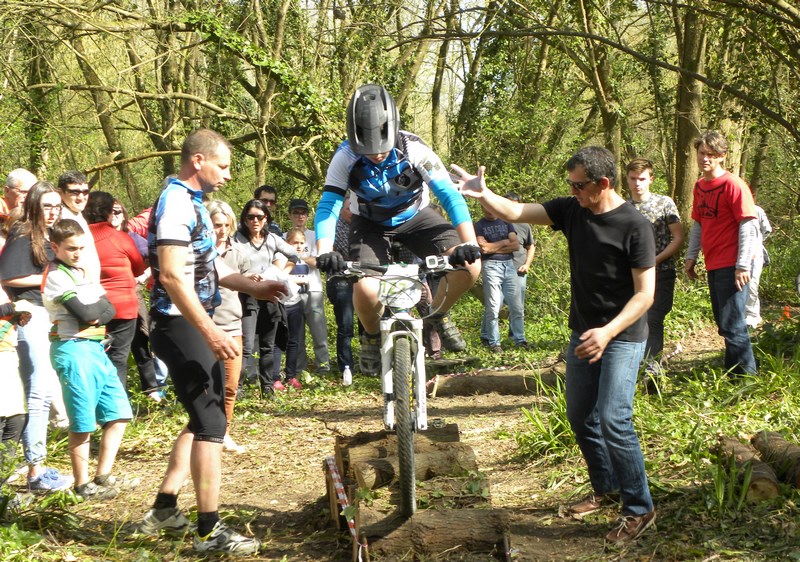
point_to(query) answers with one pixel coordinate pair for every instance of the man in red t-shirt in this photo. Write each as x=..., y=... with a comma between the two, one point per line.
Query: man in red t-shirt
x=724, y=225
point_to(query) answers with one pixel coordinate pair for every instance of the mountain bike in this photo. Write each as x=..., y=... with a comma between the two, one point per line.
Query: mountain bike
x=402, y=358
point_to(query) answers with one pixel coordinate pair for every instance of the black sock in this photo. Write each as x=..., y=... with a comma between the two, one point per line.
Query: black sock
x=206, y=522
x=165, y=500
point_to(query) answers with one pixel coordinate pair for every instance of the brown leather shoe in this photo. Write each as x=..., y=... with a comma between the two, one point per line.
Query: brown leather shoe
x=586, y=506
x=630, y=527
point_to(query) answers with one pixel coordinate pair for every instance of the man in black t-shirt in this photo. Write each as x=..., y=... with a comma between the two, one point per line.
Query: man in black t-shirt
x=612, y=274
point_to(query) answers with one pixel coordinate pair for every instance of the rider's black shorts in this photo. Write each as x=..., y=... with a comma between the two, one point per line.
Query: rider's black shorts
x=197, y=375
x=426, y=234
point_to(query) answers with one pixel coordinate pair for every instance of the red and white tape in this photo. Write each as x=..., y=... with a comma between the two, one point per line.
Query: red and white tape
x=333, y=470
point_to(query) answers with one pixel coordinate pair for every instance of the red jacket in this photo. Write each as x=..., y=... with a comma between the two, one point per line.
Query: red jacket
x=120, y=264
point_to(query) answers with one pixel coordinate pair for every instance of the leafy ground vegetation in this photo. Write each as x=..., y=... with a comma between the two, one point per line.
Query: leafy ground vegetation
x=525, y=453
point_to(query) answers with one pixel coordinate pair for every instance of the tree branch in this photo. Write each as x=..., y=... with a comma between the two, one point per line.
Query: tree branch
x=221, y=112
x=714, y=84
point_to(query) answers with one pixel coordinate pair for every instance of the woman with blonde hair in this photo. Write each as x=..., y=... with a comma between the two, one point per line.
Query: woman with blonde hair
x=228, y=315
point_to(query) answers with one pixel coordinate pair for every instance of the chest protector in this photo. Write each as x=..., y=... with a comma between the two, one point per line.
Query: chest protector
x=399, y=184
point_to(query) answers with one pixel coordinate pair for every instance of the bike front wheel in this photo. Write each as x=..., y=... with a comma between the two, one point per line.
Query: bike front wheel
x=404, y=424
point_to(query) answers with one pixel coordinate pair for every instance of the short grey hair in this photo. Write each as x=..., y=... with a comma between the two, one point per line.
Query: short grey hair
x=20, y=177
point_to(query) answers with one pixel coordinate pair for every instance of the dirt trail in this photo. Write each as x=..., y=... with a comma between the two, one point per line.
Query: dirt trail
x=279, y=480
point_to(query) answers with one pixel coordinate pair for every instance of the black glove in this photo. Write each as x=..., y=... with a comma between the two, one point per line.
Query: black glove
x=332, y=262
x=464, y=254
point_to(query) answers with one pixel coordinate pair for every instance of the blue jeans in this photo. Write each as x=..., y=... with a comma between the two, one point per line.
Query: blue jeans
x=314, y=310
x=522, y=281
x=40, y=382
x=728, y=305
x=499, y=284
x=600, y=410
x=340, y=293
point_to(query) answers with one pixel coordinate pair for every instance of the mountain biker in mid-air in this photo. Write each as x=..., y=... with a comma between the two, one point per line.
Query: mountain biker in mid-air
x=391, y=173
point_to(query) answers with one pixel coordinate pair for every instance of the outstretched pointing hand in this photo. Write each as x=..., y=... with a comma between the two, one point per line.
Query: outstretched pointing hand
x=468, y=184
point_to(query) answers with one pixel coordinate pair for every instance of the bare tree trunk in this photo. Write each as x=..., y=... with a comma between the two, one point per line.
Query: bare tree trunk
x=39, y=103
x=544, y=52
x=265, y=84
x=417, y=54
x=758, y=162
x=473, y=78
x=691, y=29
x=103, y=107
x=601, y=79
x=438, y=139
x=662, y=99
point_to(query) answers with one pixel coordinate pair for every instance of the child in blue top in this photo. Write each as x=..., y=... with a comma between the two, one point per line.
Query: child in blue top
x=93, y=393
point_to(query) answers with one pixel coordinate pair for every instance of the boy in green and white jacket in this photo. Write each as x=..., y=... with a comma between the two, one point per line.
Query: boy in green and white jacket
x=93, y=393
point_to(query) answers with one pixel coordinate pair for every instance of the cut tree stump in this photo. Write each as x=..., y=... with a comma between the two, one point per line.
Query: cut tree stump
x=514, y=383
x=782, y=455
x=381, y=444
x=432, y=531
x=430, y=460
x=458, y=517
x=763, y=482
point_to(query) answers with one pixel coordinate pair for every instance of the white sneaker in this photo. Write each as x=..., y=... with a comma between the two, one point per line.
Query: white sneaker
x=169, y=519
x=230, y=446
x=224, y=539
x=347, y=377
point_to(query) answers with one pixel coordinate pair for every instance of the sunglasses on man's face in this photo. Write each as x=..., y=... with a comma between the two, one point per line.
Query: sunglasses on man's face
x=578, y=185
x=76, y=192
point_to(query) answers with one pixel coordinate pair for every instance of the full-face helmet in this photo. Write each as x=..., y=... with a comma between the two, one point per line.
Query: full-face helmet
x=372, y=120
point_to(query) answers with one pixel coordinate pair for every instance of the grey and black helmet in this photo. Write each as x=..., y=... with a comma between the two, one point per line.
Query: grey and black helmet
x=372, y=120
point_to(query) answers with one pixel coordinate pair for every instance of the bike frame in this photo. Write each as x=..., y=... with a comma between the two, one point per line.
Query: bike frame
x=399, y=322
x=388, y=334
x=399, y=291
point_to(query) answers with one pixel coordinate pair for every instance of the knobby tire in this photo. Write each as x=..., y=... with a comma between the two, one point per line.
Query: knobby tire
x=404, y=424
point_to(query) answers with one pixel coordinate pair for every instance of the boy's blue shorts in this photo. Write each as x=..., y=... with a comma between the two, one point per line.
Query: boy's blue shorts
x=93, y=393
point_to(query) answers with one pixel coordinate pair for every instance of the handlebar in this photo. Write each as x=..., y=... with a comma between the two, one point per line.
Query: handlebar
x=433, y=264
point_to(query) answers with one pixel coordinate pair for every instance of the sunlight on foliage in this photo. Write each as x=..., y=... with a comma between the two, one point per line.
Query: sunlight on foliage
x=550, y=436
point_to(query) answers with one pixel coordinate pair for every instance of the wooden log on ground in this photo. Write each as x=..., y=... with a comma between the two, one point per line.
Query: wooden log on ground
x=430, y=532
x=381, y=444
x=763, y=482
x=454, y=492
x=448, y=365
x=434, y=459
x=514, y=383
x=782, y=455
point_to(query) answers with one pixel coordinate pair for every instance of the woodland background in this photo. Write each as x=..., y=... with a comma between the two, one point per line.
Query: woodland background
x=112, y=87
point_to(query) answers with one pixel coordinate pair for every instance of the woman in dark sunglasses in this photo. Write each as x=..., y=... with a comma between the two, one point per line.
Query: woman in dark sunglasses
x=254, y=240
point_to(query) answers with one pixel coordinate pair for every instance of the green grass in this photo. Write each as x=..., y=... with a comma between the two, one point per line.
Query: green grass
x=700, y=499
x=702, y=512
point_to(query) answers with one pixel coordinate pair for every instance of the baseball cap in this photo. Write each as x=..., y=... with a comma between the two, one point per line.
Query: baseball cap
x=298, y=204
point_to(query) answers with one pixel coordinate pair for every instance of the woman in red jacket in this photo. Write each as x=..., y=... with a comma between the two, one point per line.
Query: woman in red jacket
x=120, y=264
